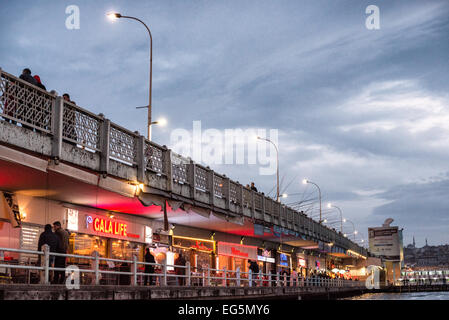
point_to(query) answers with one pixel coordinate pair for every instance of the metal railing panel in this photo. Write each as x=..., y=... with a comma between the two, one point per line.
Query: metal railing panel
x=201, y=181
x=179, y=168
x=154, y=157
x=24, y=103
x=122, y=145
x=81, y=127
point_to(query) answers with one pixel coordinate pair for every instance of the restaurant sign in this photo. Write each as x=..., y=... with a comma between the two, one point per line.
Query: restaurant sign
x=237, y=250
x=195, y=244
x=111, y=227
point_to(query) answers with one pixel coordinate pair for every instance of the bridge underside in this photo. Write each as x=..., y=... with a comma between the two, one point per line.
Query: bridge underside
x=34, y=176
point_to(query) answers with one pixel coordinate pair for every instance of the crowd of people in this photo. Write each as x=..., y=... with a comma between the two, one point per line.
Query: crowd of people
x=12, y=104
x=58, y=241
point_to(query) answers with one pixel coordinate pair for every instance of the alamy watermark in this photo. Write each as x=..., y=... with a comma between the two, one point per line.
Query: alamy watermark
x=372, y=22
x=228, y=146
x=72, y=21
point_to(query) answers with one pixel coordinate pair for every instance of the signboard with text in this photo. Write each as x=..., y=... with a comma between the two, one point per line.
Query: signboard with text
x=104, y=226
x=385, y=242
x=237, y=250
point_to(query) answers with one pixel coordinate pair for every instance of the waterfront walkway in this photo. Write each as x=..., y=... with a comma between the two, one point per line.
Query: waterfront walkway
x=60, y=292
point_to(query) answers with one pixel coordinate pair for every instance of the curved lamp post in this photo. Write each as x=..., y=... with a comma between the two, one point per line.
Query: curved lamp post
x=277, y=166
x=113, y=16
x=330, y=205
x=353, y=227
x=305, y=181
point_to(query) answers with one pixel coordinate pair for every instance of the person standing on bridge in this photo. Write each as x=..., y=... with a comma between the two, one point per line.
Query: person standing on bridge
x=48, y=238
x=253, y=187
x=26, y=76
x=60, y=262
x=39, y=83
x=28, y=98
x=149, y=258
x=254, y=267
x=180, y=271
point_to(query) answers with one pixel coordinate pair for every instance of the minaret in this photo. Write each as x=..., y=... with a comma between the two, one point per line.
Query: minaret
x=414, y=244
x=426, y=242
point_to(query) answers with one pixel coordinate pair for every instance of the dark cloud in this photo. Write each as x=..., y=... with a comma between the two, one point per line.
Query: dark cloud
x=358, y=111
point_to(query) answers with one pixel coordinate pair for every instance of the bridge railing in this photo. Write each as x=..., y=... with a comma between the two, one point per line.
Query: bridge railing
x=35, y=109
x=163, y=274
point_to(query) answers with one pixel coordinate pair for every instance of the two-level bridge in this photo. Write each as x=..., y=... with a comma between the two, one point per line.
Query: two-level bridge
x=52, y=149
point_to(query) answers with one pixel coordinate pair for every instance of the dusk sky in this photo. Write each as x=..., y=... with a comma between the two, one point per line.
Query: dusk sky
x=362, y=113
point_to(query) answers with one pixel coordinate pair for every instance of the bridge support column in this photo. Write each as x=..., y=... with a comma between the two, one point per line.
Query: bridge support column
x=57, y=113
x=105, y=133
x=191, y=177
x=168, y=169
x=140, y=143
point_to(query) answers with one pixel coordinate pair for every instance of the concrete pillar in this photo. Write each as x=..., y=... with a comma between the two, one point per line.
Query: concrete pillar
x=211, y=187
x=227, y=192
x=105, y=134
x=237, y=275
x=224, y=277
x=134, y=271
x=250, y=278
x=168, y=168
x=191, y=177
x=97, y=267
x=188, y=273
x=46, y=250
x=141, y=163
x=57, y=125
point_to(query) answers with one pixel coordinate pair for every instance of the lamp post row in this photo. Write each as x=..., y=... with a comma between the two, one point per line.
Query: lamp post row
x=162, y=122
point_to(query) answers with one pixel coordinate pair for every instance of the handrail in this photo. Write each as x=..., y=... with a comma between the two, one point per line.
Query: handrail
x=225, y=277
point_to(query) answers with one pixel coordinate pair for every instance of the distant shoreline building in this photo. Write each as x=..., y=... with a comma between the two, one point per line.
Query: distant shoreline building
x=385, y=242
x=427, y=256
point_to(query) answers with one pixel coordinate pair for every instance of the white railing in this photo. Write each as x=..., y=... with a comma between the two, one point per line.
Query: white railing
x=207, y=276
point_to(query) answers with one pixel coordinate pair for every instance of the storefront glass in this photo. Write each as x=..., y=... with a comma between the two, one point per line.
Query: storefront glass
x=124, y=250
x=85, y=245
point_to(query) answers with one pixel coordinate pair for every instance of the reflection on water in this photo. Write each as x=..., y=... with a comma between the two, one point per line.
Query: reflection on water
x=402, y=296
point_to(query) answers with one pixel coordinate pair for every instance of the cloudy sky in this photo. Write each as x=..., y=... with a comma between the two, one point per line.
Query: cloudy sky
x=363, y=113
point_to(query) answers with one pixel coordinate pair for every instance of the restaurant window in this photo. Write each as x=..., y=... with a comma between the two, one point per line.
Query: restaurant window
x=124, y=250
x=242, y=263
x=85, y=245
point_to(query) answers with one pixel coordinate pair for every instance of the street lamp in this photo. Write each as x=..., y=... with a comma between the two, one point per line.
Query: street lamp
x=162, y=122
x=277, y=166
x=114, y=16
x=330, y=205
x=305, y=181
x=353, y=227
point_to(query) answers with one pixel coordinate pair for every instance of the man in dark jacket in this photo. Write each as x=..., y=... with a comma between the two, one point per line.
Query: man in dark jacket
x=49, y=238
x=60, y=262
x=180, y=261
x=254, y=267
x=149, y=258
x=26, y=76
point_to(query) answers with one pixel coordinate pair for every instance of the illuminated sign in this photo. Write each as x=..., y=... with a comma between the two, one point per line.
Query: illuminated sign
x=265, y=259
x=110, y=227
x=238, y=251
x=192, y=243
x=283, y=260
x=148, y=235
x=302, y=262
x=72, y=219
